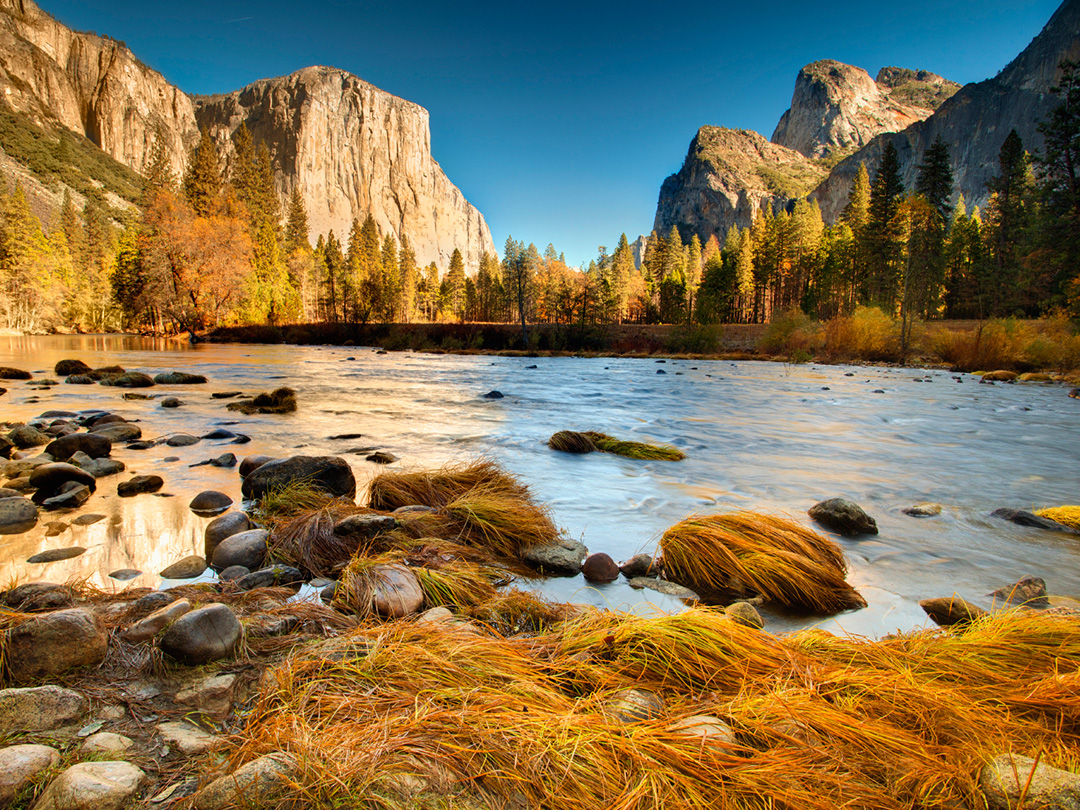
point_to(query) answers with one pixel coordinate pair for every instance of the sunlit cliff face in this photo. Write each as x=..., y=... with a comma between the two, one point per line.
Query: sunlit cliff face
x=758, y=436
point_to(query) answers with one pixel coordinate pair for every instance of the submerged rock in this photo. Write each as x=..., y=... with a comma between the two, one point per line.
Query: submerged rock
x=1029, y=591
x=7, y=373
x=664, y=587
x=179, y=378
x=843, y=517
x=130, y=379
x=182, y=440
x=118, y=432
x=172, y=402
x=57, y=554
x=561, y=558
x=17, y=515
x=139, y=485
x=187, y=568
x=640, y=565
x=65, y=367
x=95, y=446
x=1022, y=518
x=947, y=611
x=923, y=510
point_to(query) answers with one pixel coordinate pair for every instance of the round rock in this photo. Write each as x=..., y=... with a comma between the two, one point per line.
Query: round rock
x=252, y=463
x=20, y=765
x=49, y=477
x=179, y=378
x=222, y=527
x=207, y=634
x=246, y=548
x=109, y=785
x=53, y=643
x=210, y=502
x=17, y=515
x=93, y=445
x=182, y=440
x=26, y=436
x=187, y=568
x=117, y=432
x=65, y=367
x=397, y=591
x=843, y=517
x=139, y=484
x=600, y=567
x=328, y=473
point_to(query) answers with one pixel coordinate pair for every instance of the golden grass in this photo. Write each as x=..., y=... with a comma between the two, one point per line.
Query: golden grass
x=1066, y=515
x=724, y=556
x=407, y=715
x=436, y=488
x=571, y=441
x=283, y=502
x=500, y=521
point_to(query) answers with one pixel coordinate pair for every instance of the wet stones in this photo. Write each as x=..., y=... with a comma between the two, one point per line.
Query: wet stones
x=843, y=517
x=600, y=567
x=102, y=467
x=40, y=708
x=1029, y=591
x=1022, y=518
x=640, y=565
x=7, y=373
x=328, y=473
x=246, y=548
x=171, y=402
x=923, y=510
x=70, y=496
x=53, y=643
x=48, y=478
x=65, y=367
x=27, y=436
x=252, y=463
x=93, y=445
x=187, y=568
x=222, y=527
x=17, y=515
x=561, y=558
x=204, y=635
x=118, y=432
x=178, y=378
x=274, y=576
x=182, y=440
x=947, y=611
x=210, y=502
x=396, y=592
x=57, y=554
x=139, y=484
x=130, y=379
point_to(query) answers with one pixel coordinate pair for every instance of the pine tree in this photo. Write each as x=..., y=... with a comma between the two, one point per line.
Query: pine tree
x=391, y=280
x=455, y=285
x=935, y=180
x=407, y=272
x=1008, y=223
x=202, y=183
x=296, y=228
x=157, y=173
x=883, y=234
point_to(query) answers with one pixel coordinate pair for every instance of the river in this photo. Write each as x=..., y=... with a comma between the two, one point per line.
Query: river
x=763, y=436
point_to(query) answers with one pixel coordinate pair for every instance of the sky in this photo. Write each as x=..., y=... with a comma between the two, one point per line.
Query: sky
x=559, y=120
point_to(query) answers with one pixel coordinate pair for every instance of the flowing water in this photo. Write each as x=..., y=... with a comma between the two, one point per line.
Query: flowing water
x=762, y=436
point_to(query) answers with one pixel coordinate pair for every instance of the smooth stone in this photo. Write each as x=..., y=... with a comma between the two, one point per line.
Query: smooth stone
x=146, y=444
x=212, y=696
x=139, y=485
x=923, y=510
x=640, y=565
x=116, y=433
x=233, y=572
x=664, y=587
x=947, y=611
x=65, y=367
x=182, y=440
x=210, y=502
x=599, y=567
x=35, y=596
x=1029, y=591
x=396, y=592
x=564, y=557
x=246, y=548
x=71, y=496
x=40, y=708
x=634, y=706
x=52, y=643
x=1022, y=518
x=17, y=515
x=204, y=635
x=745, y=614
x=20, y=765
x=146, y=628
x=109, y=785
x=172, y=402
x=263, y=782
x=106, y=744
x=8, y=373
x=125, y=574
x=225, y=394
x=101, y=467
x=365, y=526
x=79, y=379
x=187, y=568
x=274, y=576
x=381, y=457
x=435, y=615
x=328, y=473
x=94, y=445
x=225, y=461
x=50, y=477
x=130, y=379
x=707, y=728
x=188, y=739
x=1008, y=777
x=57, y=554
x=219, y=433
x=843, y=517
x=222, y=527
x=493, y=395
x=178, y=378
x=252, y=463
x=27, y=436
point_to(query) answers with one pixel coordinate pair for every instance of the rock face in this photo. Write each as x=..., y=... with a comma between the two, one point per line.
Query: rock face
x=353, y=149
x=727, y=176
x=975, y=121
x=838, y=107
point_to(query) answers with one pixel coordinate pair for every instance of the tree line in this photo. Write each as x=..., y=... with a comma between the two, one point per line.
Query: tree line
x=215, y=248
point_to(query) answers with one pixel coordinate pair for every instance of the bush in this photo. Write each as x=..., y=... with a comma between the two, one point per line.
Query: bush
x=866, y=334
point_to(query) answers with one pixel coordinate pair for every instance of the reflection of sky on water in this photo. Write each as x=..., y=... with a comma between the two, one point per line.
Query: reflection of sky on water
x=759, y=436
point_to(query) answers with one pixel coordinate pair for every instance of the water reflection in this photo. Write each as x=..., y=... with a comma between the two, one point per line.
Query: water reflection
x=760, y=436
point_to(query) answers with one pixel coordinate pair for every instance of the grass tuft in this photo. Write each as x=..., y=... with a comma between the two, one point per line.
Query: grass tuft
x=1066, y=515
x=571, y=441
x=436, y=488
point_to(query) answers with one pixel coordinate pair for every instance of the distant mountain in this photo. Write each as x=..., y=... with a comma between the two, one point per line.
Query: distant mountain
x=349, y=147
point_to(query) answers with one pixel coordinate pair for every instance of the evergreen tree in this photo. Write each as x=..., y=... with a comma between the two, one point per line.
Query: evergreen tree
x=407, y=272
x=157, y=173
x=202, y=182
x=455, y=285
x=390, y=280
x=622, y=269
x=296, y=227
x=883, y=235
x=1008, y=224
x=935, y=180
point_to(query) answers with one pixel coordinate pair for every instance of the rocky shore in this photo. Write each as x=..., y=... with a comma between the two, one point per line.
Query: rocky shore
x=376, y=653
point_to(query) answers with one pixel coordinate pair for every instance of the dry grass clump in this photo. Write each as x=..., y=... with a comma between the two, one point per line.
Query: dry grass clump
x=280, y=400
x=1007, y=343
x=436, y=488
x=571, y=441
x=502, y=522
x=421, y=715
x=1067, y=515
x=283, y=502
x=724, y=556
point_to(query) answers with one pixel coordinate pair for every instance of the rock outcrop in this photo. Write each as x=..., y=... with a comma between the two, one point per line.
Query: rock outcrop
x=727, y=176
x=974, y=121
x=353, y=149
x=838, y=107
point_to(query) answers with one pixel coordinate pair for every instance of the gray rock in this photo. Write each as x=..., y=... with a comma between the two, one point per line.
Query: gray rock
x=221, y=527
x=110, y=785
x=562, y=558
x=101, y=467
x=949, y=610
x=1029, y=591
x=139, y=484
x=745, y=614
x=252, y=463
x=182, y=440
x=20, y=765
x=263, y=782
x=664, y=587
x=1008, y=777
x=35, y=596
x=923, y=510
x=48, y=478
x=107, y=745
x=130, y=379
x=187, y=568
x=26, y=436
x=52, y=643
x=640, y=565
x=233, y=572
x=118, y=432
x=204, y=635
x=179, y=378
x=70, y=496
x=171, y=402
x=365, y=526
x=843, y=517
x=186, y=738
x=225, y=461
x=1022, y=518
x=274, y=576
x=246, y=548
x=210, y=502
x=94, y=445
x=328, y=473
x=40, y=708
x=17, y=515
x=211, y=696
x=600, y=567
x=146, y=628
x=57, y=554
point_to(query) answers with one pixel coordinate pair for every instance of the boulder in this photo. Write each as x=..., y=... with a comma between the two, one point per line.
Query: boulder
x=109, y=785
x=1022, y=518
x=117, y=432
x=186, y=738
x=640, y=565
x=201, y=636
x=843, y=517
x=225, y=461
x=65, y=367
x=210, y=502
x=219, y=433
x=129, y=379
x=36, y=596
x=274, y=576
x=145, y=629
x=951, y=610
x=182, y=440
x=600, y=567
x=1028, y=591
x=187, y=568
x=171, y=402
x=211, y=696
x=178, y=378
x=365, y=526
x=7, y=373
x=52, y=643
x=233, y=572
x=40, y=708
x=396, y=592
x=252, y=463
x=49, y=477
x=246, y=548
x=20, y=765
x=70, y=496
x=564, y=557
x=1009, y=779
x=26, y=436
x=93, y=445
x=107, y=745
x=263, y=782
x=139, y=484
x=101, y=467
x=79, y=379
x=221, y=527
x=17, y=515
x=745, y=614
x=634, y=705
x=328, y=473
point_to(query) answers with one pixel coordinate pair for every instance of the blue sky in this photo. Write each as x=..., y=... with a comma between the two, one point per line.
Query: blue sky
x=559, y=120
